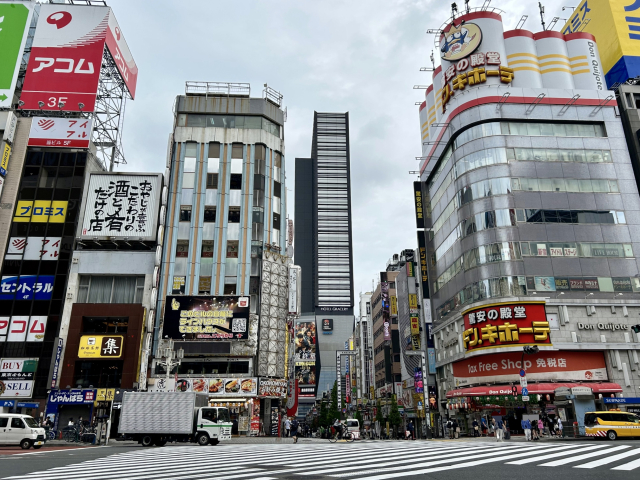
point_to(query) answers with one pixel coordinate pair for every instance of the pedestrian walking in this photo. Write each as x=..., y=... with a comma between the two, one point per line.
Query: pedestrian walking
x=476, y=428
x=294, y=430
x=551, y=426
x=526, y=426
x=498, y=426
x=534, y=430
x=540, y=427
x=287, y=427
x=483, y=421
x=451, y=429
x=411, y=430
x=560, y=432
x=456, y=428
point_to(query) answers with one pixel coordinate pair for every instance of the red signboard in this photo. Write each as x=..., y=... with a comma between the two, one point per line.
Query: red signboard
x=66, y=58
x=505, y=324
x=542, y=366
x=119, y=50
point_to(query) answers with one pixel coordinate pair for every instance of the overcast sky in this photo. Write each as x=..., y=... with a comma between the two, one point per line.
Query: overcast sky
x=334, y=56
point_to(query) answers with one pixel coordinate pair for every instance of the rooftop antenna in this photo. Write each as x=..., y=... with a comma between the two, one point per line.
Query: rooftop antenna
x=454, y=10
x=433, y=62
x=466, y=6
x=541, y=15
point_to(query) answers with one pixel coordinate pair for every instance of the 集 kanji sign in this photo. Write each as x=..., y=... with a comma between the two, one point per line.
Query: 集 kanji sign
x=100, y=346
x=500, y=325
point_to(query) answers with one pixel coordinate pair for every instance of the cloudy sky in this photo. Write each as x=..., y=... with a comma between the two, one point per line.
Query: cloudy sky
x=357, y=56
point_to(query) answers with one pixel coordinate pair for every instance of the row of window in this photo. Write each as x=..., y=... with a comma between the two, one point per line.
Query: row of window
x=509, y=217
x=494, y=156
x=504, y=186
x=505, y=251
x=110, y=289
x=228, y=121
x=521, y=286
x=517, y=128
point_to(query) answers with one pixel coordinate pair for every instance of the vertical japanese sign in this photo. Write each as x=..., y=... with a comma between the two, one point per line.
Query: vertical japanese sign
x=417, y=197
x=55, y=366
x=121, y=206
x=386, y=319
x=422, y=250
x=15, y=18
x=121, y=54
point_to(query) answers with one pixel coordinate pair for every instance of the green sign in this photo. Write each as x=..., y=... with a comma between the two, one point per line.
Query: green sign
x=15, y=19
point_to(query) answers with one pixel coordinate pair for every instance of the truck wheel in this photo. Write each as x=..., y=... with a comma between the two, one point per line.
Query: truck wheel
x=25, y=444
x=160, y=442
x=214, y=441
x=202, y=439
x=147, y=441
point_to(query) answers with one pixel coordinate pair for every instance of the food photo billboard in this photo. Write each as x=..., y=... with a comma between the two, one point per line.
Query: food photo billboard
x=206, y=317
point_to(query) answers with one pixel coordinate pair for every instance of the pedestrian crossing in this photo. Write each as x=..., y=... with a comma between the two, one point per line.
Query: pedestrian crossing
x=363, y=460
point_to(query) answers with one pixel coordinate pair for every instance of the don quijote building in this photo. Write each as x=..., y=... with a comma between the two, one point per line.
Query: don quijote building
x=532, y=226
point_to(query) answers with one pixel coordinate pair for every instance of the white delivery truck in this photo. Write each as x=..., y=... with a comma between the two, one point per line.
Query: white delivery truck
x=155, y=418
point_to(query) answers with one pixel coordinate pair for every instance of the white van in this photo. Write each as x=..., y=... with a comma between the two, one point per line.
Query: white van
x=354, y=427
x=23, y=430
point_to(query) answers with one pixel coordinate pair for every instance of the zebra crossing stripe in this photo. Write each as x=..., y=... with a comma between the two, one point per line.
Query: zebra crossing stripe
x=554, y=455
x=605, y=461
x=628, y=466
x=399, y=463
x=564, y=461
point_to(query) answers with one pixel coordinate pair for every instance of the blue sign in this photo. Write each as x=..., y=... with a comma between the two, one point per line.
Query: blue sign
x=71, y=397
x=522, y=373
x=629, y=400
x=7, y=403
x=27, y=287
x=27, y=405
x=525, y=391
x=431, y=355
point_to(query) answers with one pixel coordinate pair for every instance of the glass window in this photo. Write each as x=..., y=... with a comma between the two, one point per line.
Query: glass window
x=185, y=214
x=260, y=152
x=188, y=180
x=191, y=149
x=214, y=150
x=209, y=215
x=234, y=215
x=236, y=181
x=212, y=180
x=236, y=151
x=189, y=164
x=187, y=196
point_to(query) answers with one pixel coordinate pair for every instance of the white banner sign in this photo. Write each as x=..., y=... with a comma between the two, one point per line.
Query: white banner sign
x=121, y=206
x=60, y=132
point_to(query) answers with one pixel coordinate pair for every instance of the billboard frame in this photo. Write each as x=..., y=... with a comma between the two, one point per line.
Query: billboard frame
x=154, y=220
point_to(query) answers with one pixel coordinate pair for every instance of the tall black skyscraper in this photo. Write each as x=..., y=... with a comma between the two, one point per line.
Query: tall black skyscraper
x=323, y=246
x=323, y=218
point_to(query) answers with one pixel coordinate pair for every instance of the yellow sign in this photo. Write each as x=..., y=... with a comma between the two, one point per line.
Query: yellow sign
x=415, y=326
x=105, y=394
x=413, y=301
x=372, y=393
x=351, y=344
x=100, y=346
x=615, y=24
x=4, y=164
x=394, y=305
x=41, y=211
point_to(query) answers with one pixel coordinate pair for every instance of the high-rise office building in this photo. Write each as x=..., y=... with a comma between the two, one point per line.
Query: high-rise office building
x=532, y=219
x=323, y=238
x=223, y=288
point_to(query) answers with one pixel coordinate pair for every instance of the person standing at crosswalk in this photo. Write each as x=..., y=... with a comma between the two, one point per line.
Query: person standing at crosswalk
x=498, y=426
x=560, y=434
x=526, y=426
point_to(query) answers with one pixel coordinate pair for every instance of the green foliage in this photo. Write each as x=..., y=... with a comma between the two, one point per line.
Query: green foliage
x=394, y=415
x=323, y=416
x=359, y=418
x=334, y=409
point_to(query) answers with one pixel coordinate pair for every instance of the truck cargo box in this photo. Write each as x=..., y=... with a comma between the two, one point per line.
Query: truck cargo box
x=160, y=412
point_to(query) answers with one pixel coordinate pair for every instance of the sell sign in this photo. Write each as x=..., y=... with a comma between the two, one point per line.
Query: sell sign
x=505, y=324
x=16, y=377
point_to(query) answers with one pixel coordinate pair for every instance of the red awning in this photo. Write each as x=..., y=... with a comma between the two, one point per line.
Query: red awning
x=534, y=388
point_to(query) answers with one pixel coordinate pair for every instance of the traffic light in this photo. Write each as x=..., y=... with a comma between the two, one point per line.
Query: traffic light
x=514, y=391
x=531, y=350
x=636, y=328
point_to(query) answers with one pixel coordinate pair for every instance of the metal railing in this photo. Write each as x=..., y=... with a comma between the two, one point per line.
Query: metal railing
x=218, y=89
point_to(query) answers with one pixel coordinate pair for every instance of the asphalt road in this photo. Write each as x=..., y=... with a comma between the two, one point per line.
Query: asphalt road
x=320, y=460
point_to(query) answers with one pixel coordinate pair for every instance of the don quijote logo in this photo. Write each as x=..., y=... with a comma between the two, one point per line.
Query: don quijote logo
x=46, y=124
x=460, y=41
x=59, y=19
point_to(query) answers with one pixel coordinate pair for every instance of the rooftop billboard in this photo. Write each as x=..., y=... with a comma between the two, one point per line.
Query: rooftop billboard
x=15, y=18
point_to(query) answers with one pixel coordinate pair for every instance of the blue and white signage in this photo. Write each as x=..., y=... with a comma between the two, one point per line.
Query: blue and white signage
x=71, y=397
x=56, y=364
x=628, y=401
x=27, y=287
